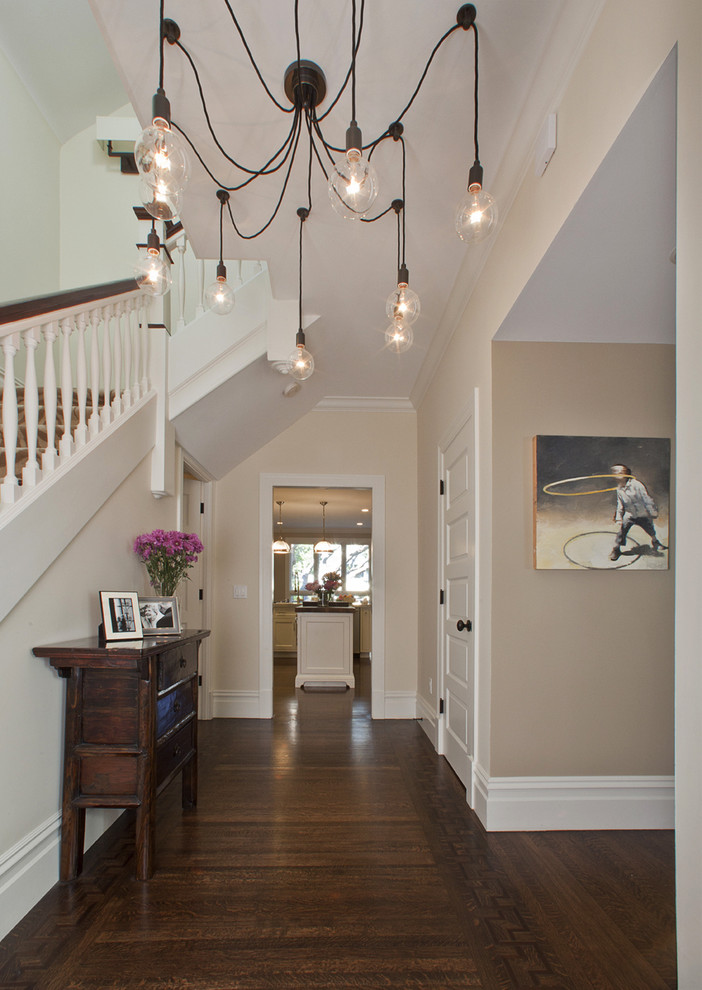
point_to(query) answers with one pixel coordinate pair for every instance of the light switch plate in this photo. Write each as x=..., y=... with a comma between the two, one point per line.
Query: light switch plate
x=240, y=591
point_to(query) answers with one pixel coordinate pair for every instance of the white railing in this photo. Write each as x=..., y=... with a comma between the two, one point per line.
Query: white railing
x=90, y=350
x=191, y=277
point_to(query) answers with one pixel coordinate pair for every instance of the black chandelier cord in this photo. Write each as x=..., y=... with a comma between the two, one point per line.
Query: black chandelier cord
x=290, y=142
x=351, y=66
x=250, y=237
x=253, y=60
x=475, y=95
x=162, y=38
x=242, y=168
x=353, y=61
x=303, y=217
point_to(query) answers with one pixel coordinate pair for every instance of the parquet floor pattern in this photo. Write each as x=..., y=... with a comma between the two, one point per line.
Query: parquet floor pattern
x=328, y=850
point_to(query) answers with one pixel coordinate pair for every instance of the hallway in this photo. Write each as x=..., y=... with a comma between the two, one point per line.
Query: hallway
x=328, y=850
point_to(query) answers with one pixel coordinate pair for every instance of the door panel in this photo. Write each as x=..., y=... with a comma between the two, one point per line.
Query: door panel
x=458, y=582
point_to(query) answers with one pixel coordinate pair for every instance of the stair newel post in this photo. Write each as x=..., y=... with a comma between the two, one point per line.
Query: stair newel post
x=128, y=377
x=182, y=245
x=105, y=417
x=49, y=459
x=117, y=360
x=66, y=442
x=31, y=474
x=81, y=430
x=200, y=308
x=135, y=331
x=94, y=421
x=10, y=488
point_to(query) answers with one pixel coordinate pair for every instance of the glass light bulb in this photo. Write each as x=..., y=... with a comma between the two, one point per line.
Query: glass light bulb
x=152, y=273
x=403, y=304
x=301, y=364
x=219, y=297
x=398, y=337
x=158, y=202
x=353, y=186
x=476, y=217
x=161, y=159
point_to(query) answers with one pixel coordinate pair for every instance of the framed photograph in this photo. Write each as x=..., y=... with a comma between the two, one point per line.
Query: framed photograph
x=601, y=503
x=159, y=616
x=120, y=615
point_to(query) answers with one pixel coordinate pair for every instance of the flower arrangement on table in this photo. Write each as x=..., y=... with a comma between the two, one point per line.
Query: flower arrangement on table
x=168, y=555
x=326, y=587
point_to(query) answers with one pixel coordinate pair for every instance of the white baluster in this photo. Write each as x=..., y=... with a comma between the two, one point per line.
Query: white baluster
x=127, y=321
x=49, y=460
x=144, y=319
x=31, y=474
x=200, y=308
x=80, y=434
x=181, y=246
x=10, y=487
x=136, y=334
x=94, y=421
x=105, y=417
x=66, y=442
x=117, y=356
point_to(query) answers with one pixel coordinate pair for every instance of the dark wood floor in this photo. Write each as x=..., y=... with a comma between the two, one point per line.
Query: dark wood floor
x=328, y=850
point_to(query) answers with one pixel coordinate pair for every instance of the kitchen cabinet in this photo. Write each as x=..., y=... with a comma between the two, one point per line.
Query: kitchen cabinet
x=325, y=645
x=284, y=628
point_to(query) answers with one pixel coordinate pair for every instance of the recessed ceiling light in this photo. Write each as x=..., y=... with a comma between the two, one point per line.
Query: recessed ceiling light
x=365, y=510
x=359, y=524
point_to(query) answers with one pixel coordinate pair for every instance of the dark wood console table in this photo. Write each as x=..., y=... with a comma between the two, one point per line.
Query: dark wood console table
x=131, y=727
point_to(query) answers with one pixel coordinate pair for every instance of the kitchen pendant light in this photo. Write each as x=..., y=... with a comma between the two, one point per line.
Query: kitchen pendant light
x=323, y=545
x=279, y=545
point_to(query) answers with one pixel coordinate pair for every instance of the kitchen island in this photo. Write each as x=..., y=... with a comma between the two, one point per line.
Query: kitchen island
x=324, y=645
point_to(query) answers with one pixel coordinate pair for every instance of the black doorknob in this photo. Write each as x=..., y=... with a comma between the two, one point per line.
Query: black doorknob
x=461, y=625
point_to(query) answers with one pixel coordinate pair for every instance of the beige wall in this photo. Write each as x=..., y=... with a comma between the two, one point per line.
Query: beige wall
x=29, y=194
x=321, y=444
x=582, y=661
x=62, y=605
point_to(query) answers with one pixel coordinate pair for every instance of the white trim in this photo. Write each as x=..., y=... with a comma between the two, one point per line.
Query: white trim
x=530, y=804
x=362, y=403
x=27, y=870
x=234, y=704
x=428, y=721
x=401, y=704
x=376, y=483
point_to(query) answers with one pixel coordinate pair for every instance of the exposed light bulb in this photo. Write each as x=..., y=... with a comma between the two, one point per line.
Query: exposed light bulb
x=398, y=337
x=403, y=304
x=152, y=273
x=353, y=185
x=301, y=364
x=159, y=202
x=161, y=158
x=219, y=296
x=476, y=217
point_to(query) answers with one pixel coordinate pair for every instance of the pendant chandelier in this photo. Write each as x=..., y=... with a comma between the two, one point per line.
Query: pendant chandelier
x=323, y=545
x=162, y=158
x=279, y=545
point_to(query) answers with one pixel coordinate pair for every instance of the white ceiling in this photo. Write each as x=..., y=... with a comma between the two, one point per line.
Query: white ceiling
x=302, y=512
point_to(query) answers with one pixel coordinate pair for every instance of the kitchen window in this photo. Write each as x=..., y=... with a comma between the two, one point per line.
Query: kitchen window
x=351, y=560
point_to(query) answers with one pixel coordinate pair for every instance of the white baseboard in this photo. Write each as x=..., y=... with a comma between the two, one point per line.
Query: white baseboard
x=236, y=704
x=400, y=704
x=530, y=804
x=428, y=721
x=27, y=871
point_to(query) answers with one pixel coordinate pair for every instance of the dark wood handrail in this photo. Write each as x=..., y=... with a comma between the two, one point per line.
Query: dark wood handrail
x=23, y=309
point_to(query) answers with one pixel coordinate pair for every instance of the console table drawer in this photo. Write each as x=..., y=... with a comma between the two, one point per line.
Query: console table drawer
x=175, y=750
x=176, y=665
x=175, y=706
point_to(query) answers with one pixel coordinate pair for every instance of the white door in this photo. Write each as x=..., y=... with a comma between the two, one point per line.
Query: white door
x=458, y=558
x=190, y=592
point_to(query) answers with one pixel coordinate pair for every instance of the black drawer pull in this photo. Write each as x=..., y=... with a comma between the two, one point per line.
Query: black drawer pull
x=177, y=750
x=183, y=663
x=176, y=706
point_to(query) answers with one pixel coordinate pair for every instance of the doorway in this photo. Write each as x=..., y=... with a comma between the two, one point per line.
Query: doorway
x=376, y=485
